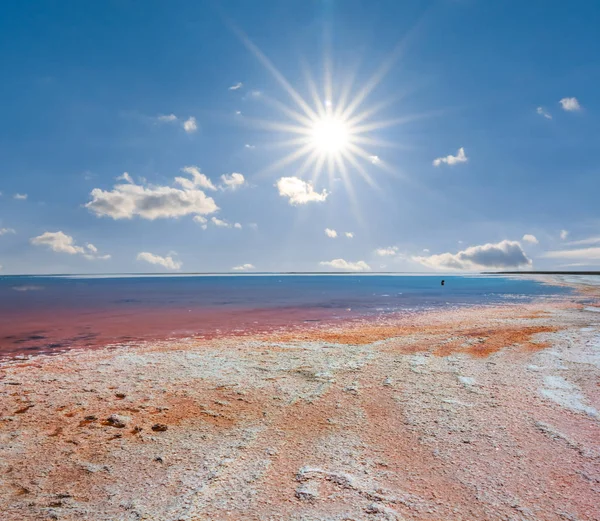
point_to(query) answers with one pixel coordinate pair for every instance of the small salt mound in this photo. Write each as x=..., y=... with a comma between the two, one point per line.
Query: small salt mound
x=566, y=395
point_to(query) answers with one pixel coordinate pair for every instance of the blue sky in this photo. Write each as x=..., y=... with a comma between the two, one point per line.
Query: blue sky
x=504, y=95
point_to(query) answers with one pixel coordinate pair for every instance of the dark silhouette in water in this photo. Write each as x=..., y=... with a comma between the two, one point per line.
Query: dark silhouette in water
x=443, y=282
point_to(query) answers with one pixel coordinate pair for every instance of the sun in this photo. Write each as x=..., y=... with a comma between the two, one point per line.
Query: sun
x=330, y=130
x=330, y=135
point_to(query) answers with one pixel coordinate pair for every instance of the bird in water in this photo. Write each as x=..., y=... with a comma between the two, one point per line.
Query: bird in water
x=443, y=282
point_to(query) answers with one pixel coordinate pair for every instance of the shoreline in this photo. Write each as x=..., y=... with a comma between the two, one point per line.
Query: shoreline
x=474, y=413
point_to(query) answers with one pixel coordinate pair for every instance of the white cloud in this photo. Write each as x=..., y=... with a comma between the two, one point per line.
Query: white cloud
x=166, y=262
x=330, y=233
x=20, y=197
x=386, y=252
x=201, y=220
x=5, y=231
x=349, y=235
x=60, y=242
x=375, y=160
x=543, y=112
x=460, y=157
x=530, y=238
x=581, y=242
x=126, y=201
x=220, y=223
x=232, y=181
x=425, y=250
x=570, y=104
x=243, y=267
x=125, y=177
x=238, y=226
x=167, y=118
x=237, y=86
x=341, y=264
x=190, y=125
x=581, y=253
x=254, y=226
x=198, y=179
x=298, y=191
x=505, y=254
x=564, y=234
x=247, y=145
x=238, y=112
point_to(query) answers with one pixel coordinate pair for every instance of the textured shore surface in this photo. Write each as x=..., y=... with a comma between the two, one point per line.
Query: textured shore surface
x=489, y=413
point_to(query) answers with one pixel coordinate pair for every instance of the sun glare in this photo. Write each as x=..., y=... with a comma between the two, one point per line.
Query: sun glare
x=331, y=130
x=330, y=135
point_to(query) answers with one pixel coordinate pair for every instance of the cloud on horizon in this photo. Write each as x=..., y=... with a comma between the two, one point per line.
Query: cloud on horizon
x=243, y=267
x=589, y=254
x=502, y=255
x=341, y=264
x=387, y=252
x=166, y=262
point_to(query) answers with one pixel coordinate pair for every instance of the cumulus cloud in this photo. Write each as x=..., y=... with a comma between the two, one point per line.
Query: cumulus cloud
x=167, y=118
x=125, y=177
x=232, y=181
x=460, y=157
x=237, y=86
x=530, y=238
x=503, y=255
x=198, y=179
x=386, y=252
x=349, y=235
x=60, y=242
x=341, y=264
x=564, y=234
x=330, y=233
x=238, y=226
x=570, y=104
x=298, y=191
x=543, y=112
x=126, y=201
x=190, y=125
x=375, y=160
x=243, y=267
x=166, y=262
x=20, y=197
x=6, y=231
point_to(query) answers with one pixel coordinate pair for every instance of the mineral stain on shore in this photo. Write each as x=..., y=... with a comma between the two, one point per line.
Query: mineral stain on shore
x=434, y=416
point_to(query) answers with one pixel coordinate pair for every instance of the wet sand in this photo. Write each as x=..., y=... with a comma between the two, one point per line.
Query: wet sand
x=481, y=413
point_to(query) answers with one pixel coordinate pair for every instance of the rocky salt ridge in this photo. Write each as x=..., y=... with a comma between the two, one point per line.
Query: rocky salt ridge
x=487, y=414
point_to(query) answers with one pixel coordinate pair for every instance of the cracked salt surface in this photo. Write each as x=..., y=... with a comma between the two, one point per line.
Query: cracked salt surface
x=566, y=395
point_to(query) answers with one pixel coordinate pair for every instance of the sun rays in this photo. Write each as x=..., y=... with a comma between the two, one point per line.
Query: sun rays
x=332, y=131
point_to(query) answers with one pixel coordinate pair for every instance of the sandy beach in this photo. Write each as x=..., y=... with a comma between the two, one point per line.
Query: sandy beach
x=486, y=413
